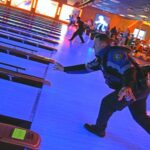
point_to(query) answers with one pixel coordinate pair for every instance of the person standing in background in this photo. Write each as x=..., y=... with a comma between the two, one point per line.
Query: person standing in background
x=71, y=20
x=79, y=30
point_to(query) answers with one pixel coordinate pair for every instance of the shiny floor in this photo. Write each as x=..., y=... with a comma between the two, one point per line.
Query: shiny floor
x=71, y=100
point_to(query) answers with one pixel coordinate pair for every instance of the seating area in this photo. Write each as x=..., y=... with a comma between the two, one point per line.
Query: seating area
x=142, y=54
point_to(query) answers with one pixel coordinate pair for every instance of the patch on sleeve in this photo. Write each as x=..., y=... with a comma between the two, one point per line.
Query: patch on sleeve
x=118, y=56
x=119, y=60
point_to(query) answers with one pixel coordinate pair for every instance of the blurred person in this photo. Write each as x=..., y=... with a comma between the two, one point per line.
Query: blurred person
x=79, y=31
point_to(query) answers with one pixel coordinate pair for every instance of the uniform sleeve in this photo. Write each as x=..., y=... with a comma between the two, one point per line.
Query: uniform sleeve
x=84, y=68
x=129, y=72
x=76, y=69
x=94, y=65
x=129, y=77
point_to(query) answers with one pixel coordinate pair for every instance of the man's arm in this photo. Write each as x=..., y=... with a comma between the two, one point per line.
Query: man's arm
x=76, y=69
x=129, y=77
x=81, y=68
x=132, y=74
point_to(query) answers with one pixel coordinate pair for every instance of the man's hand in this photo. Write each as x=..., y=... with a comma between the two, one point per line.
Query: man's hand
x=58, y=66
x=126, y=92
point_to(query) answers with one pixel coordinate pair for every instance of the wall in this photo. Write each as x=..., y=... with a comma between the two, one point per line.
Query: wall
x=147, y=29
x=115, y=20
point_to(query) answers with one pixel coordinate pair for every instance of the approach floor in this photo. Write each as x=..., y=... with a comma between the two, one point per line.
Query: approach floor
x=67, y=104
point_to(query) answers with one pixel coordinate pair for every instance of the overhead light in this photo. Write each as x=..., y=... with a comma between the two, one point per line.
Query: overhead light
x=131, y=15
x=98, y=5
x=143, y=16
x=105, y=3
x=115, y=1
x=122, y=15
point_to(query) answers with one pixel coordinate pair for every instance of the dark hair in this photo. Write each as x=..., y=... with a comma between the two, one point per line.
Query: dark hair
x=78, y=18
x=103, y=37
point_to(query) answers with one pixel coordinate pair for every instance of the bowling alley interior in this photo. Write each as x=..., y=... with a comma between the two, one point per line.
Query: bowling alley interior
x=45, y=108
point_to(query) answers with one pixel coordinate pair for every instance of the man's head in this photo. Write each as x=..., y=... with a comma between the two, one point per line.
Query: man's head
x=100, y=41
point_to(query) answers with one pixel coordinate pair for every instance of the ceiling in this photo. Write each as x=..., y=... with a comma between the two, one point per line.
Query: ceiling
x=131, y=9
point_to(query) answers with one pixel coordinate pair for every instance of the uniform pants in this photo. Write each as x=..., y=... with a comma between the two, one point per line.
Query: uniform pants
x=110, y=104
x=78, y=32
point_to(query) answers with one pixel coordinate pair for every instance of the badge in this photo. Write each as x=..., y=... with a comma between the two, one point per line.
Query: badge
x=118, y=57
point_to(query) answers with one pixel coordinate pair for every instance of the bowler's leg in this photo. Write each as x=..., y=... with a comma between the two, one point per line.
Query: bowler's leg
x=138, y=111
x=109, y=105
x=81, y=38
x=74, y=35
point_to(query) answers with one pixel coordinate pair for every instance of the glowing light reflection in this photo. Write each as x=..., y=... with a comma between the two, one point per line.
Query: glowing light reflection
x=23, y=4
x=47, y=7
x=68, y=10
x=3, y=1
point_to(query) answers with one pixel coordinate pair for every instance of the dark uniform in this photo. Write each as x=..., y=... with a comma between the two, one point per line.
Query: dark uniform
x=79, y=31
x=119, y=70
